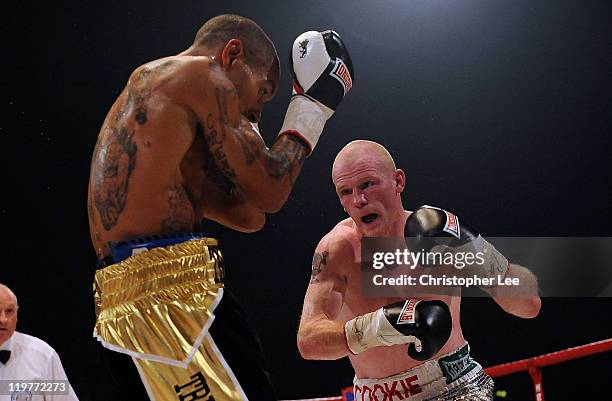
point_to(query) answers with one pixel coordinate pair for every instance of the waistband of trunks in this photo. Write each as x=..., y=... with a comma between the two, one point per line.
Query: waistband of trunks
x=124, y=249
x=183, y=269
x=426, y=378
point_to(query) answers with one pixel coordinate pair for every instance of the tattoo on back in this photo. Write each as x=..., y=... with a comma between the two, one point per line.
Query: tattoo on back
x=319, y=263
x=115, y=153
x=117, y=159
x=180, y=212
x=138, y=94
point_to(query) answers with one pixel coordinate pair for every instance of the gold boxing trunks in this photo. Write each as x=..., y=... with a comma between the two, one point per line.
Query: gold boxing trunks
x=157, y=306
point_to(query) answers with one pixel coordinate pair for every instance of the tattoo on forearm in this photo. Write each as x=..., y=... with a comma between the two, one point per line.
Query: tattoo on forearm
x=251, y=147
x=116, y=160
x=319, y=263
x=180, y=212
x=285, y=158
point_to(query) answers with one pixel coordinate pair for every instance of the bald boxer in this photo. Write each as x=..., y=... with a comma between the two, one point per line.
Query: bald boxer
x=180, y=146
x=399, y=348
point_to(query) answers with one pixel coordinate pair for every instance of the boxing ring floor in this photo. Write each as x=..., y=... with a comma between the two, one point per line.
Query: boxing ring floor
x=534, y=366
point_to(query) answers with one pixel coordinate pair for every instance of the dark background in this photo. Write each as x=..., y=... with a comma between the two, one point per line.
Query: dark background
x=497, y=110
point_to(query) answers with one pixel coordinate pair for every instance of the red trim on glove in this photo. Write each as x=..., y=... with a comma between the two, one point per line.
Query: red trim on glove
x=300, y=136
x=297, y=88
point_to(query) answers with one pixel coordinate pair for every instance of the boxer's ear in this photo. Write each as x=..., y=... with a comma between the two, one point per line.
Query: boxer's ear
x=232, y=51
x=400, y=181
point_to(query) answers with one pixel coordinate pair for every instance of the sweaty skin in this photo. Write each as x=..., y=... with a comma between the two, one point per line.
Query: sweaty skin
x=334, y=296
x=178, y=146
x=368, y=184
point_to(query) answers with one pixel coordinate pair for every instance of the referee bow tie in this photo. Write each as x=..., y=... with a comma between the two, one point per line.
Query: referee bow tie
x=4, y=356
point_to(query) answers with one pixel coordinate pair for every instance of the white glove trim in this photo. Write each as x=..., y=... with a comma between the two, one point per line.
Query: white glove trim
x=307, y=118
x=373, y=330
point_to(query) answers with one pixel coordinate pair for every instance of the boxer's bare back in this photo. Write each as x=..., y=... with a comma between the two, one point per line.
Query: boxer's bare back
x=178, y=146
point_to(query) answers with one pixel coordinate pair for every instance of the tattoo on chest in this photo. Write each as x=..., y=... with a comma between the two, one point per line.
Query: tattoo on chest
x=180, y=212
x=319, y=263
x=116, y=159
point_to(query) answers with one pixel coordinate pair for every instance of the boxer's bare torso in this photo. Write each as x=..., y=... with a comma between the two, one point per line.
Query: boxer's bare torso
x=377, y=362
x=159, y=165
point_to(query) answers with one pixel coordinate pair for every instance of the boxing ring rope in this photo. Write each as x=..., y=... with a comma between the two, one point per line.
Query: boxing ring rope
x=532, y=365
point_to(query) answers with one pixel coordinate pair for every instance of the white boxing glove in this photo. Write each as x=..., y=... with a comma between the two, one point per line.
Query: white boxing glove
x=322, y=76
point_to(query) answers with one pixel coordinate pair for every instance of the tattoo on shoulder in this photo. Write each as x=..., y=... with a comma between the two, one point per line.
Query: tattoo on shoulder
x=139, y=92
x=319, y=263
x=117, y=160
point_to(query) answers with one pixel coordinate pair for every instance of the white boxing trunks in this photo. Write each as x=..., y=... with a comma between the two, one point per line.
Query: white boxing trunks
x=454, y=376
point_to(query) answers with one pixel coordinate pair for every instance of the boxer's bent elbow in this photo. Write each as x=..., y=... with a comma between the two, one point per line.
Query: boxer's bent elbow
x=255, y=222
x=316, y=350
x=306, y=347
x=311, y=350
x=531, y=307
x=266, y=199
x=526, y=308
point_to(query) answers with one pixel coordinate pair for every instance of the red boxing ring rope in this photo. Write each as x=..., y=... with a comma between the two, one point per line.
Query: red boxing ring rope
x=532, y=365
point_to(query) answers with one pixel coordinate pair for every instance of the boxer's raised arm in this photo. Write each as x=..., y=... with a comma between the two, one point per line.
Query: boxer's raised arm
x=264, y=176
x=525, y=304
x=320, y=335
x=323, y=75
x=428, y=224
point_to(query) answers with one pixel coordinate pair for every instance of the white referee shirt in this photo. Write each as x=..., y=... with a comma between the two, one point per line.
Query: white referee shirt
x=31, y=359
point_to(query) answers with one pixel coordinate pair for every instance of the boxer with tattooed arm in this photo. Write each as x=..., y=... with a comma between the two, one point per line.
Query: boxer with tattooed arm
x=181, y=145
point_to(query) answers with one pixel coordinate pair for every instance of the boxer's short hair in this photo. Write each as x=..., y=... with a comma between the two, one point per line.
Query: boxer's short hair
x=259, y=49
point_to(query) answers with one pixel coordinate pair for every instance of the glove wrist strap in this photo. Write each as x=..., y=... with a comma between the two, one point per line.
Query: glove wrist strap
x=306, y=119
x=371, y=330
x=354, y=335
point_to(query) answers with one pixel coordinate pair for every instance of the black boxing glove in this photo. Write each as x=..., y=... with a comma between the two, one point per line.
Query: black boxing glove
x=432, y=229
x=425, y=325
x=322, y=75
